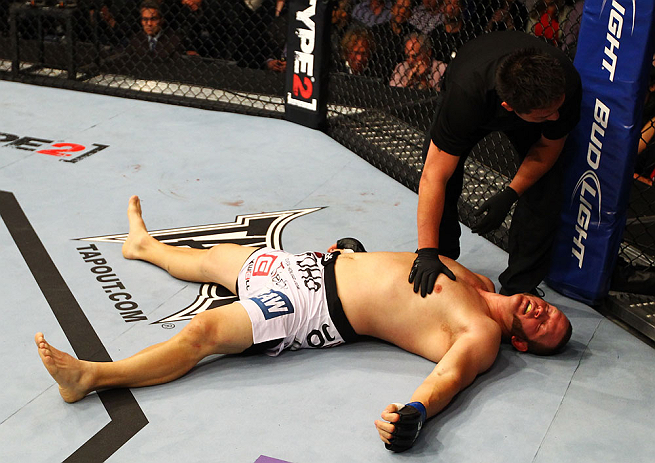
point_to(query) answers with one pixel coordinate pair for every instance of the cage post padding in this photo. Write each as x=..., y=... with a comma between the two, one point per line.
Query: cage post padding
x=614, y=57
x=308, y=50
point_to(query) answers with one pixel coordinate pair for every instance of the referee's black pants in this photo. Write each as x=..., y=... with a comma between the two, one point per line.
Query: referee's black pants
x=534, y=223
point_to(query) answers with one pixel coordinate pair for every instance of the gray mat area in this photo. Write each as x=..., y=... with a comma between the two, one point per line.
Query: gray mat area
x=594, y=402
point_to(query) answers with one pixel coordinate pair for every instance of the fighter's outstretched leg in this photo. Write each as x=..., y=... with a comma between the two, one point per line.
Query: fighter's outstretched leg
x=224, y=330
x=220, y=264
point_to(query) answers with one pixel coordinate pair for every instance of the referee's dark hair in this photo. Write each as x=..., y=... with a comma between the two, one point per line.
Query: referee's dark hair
x=530, y=79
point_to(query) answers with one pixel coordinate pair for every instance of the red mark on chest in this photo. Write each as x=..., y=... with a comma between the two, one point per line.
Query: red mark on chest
x=437, y=288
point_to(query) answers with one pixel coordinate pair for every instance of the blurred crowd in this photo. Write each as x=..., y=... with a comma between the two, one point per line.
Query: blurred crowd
x=407, y=43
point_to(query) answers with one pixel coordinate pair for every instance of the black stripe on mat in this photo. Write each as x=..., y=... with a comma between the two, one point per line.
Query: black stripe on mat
x=126, y=415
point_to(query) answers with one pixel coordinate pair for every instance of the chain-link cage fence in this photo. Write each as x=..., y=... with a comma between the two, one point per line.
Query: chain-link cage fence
x=635, y=269
x=218, y=54
x=387, y=60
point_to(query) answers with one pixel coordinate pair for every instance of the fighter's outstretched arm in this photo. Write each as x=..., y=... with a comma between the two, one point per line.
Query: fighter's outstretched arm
x=472, y=354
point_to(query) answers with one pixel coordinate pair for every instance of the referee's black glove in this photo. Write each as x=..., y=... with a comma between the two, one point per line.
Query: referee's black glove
x=497, y=208
x=426, y=269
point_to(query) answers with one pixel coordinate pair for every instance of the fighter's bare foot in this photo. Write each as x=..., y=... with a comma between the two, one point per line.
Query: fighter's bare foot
x=71, y=375
x=138, y=236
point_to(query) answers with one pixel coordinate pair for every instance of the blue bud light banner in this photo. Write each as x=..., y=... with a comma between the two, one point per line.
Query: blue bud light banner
x=613, y=58
x=308, y=50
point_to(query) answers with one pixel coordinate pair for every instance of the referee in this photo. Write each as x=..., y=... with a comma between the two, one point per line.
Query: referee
x=517, y=84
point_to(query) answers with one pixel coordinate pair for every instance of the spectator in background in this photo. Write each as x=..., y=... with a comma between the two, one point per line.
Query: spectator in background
x=277, y=64
x=418, y=70
x=209, y=27
x=105, y=22
x=458, y=27
x=370, y=13
x=255, y=46
x=391, y=35
x=544, y=20
x=341, y=16
x=426, y=16
x=127, y=13
x=506, y=15
x=570, y=27
x=276, y=36
x=279, y=6
x=357, y=47
x=154, y=40
x=401, y=11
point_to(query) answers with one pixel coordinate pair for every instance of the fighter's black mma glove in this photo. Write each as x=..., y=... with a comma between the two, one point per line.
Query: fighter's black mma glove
x=408, y=427
x=426, y=269
x=350, y=243
x=496, y=208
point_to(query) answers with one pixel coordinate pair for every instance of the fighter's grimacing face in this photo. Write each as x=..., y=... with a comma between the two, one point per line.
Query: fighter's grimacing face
x=540, y=321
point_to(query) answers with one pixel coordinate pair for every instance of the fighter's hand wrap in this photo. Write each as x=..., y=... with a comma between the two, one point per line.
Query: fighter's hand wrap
x=408, y=427
x=496, y=208
x=426, y=269
x=350, y=243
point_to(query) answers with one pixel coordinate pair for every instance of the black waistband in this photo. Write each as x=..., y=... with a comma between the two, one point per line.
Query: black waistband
x=335, y=308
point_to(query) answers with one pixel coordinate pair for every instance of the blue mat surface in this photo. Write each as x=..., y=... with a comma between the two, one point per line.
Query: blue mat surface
x=68, y=164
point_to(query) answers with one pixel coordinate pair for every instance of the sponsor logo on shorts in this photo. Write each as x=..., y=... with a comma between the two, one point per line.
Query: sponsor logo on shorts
x=248, y=275
x=273, y=304
x=277, y=278
x=263, y=265
x=292, y=274
x=317, y=338
x=311, y=273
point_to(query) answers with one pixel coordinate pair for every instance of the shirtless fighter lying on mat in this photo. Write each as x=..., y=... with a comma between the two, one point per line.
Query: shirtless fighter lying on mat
x=284, y=299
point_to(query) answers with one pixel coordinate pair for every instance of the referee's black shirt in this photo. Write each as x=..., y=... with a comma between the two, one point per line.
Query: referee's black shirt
x=471, y=108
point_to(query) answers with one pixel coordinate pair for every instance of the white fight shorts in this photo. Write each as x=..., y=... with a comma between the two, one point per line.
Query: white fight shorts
x=293, y=298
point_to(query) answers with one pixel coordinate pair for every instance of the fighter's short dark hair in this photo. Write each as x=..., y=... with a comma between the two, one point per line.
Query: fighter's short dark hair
x=530, y=79
x=539, y=349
